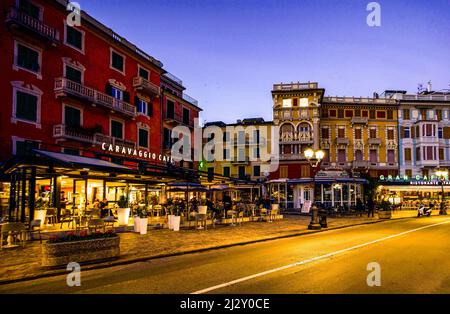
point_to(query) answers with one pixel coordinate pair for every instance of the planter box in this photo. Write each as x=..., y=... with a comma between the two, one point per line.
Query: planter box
x=385, y=214
x=61, y=254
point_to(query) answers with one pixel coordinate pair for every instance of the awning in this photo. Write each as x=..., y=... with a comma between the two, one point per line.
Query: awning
x=74, y=161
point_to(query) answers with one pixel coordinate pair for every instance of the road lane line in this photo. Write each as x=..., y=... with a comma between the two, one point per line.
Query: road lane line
x=310, y=260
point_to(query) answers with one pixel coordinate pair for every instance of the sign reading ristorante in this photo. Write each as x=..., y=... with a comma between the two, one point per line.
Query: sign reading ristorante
x=135, y=152
x=416, y=180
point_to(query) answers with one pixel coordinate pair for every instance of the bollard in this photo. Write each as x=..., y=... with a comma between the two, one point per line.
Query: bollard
x=323, y=219
x=314, y=223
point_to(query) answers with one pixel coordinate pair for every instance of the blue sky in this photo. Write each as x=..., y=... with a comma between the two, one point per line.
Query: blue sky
x=229, y=53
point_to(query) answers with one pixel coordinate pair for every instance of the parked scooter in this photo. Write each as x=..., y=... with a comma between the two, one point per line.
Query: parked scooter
x=423, y=211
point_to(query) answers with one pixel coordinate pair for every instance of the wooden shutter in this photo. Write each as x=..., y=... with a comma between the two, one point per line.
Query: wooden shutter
x=447, y=132
x=402, y=132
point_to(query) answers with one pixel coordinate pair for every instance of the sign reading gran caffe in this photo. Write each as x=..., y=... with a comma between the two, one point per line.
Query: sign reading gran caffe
x=136, y=152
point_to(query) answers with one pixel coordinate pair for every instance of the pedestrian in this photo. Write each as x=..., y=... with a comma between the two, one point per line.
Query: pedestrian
x=359, y=206
x=370, y=207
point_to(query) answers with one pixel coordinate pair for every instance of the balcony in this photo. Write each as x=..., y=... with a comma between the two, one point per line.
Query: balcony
x=15, y=17
x=65, y=132
x=64, y=87
x=291, y=157
x=140, y=83
x=189, y=99
x=294, y=86
x=374, y=141
x=297, y=137
x=360, y=120
x=245, y=161
x=360, y=164
x=342, y=141
x=176, y=119
x=79, y=134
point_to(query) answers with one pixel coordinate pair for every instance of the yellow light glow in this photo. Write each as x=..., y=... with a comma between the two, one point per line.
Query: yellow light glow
x=320, y=154
x=287, y=103
x=303, y=102
x=309, y=153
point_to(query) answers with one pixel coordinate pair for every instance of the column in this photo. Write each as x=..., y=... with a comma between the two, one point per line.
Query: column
x=32, y=192
x=316, y=133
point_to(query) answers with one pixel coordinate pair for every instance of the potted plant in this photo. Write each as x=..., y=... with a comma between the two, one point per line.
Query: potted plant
x=384, y=211
x=136, y=221
x=123, y=212
x=82, y=247
x=176, y=219
x=40, y=210
x=143, y=220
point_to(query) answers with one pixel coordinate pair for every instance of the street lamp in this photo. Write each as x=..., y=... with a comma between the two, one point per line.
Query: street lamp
x=442, y=175
x=314, y=158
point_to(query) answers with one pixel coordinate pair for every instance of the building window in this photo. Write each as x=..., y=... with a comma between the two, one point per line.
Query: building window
x=74, y=38
x=144, y=107
x=117, y=62
x=373, y=133
x=390, y=114
x=357, y=112
x=358, y=155
x=349, y=113
x=390, y=134
x=372, y=114
x=332, y=113
x=287, y=103
x=170, y=112
x=73, y=74
x=439, y=114
x=226, y=171
x=27, y=58
x=407, y=154
x=391, y=156
x=358, y=134
x=256, y=171
x=373, y=156
x=417, y=153
x=72, y=116
x=429, y=153
x=365, y=113
x=440, y=133
x=408, y=173
x=381, y=114
x=226, y=154
x=406, y=114
x=423, y=114
x=167, y=138
x=325, y=133
x=342, y=158
x=406, y=132
x=305, y=171
x=25, y=147
x=241, y=172
x=341, y=133
x=441, y=154
x=26, y=106
x=30, y=9
x=284, y=172
x=340, y=113
x=425, y=172
x=117, y=129
x=186, y=113
x=144, y=73
x=143, y=138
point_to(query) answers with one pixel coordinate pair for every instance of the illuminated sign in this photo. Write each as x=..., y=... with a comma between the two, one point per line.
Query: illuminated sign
x=416, y=180
x=135, y=152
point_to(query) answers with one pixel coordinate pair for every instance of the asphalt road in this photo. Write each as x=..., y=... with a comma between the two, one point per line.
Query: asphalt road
x=413, y=254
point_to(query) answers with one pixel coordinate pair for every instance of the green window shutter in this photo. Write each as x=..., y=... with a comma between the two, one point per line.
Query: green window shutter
x=29, y=8
x=28, y=58
x=116, y=129
x=150, y=109
x=72, y=116
x=117, y=61
x=126, y=97
x=143, y=138
x=26, y=106
x=73, y=74
x=108, y=89
x=144, y=74
x=74, y=37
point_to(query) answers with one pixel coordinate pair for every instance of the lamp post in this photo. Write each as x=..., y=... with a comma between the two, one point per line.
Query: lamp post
x=314, y=158
x=442, y=175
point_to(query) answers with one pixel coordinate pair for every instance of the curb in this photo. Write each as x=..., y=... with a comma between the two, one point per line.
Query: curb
x=148, y=258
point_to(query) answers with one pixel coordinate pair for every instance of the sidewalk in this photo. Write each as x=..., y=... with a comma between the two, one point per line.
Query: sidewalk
x=24, y=263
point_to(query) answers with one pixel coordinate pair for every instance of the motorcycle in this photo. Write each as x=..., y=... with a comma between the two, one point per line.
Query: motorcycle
x=423, y=211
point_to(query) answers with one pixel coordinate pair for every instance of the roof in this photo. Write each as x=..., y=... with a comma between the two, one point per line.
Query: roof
x=79, y=160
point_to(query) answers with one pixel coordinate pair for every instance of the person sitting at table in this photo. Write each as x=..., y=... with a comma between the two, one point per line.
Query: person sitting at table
x=104, y=210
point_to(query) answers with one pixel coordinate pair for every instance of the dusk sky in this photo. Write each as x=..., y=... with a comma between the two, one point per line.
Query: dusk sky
x=229, y=53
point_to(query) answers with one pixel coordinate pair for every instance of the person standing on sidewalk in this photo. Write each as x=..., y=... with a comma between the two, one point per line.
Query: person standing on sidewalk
x=370, y=206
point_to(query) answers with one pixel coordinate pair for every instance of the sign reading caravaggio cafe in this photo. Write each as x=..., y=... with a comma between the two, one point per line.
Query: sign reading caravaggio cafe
x=135, y=152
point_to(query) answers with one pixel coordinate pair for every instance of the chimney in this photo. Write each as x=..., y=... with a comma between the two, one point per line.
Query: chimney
x=375, y=95
x=429, y=87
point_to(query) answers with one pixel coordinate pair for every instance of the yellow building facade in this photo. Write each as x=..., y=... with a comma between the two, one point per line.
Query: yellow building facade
x=360, y=135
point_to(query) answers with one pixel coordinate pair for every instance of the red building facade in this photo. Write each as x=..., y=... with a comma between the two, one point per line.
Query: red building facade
x=76, y=90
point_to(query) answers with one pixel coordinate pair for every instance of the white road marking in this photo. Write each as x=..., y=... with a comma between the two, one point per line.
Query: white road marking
x=310, y=260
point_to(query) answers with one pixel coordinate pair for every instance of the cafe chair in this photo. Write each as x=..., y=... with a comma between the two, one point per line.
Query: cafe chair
x=50, y=216
x=35, y=227
x=66, y=217
x=96, y=224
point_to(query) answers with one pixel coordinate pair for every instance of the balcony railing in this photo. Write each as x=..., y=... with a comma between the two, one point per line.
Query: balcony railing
x=426, y=97
x=374, y=141
x=190, y=99
x=361, y=164
x=360, y=120
x=61, y=131
x=141, y=83
x=342, y=141
x=362, y=100
x=64, y=86
x=303, y=137
x=294, y=86
x=177, y=119
x=14, y=15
